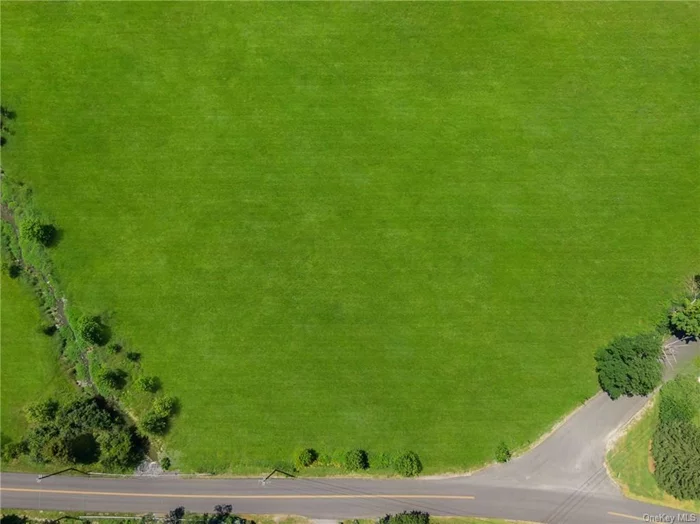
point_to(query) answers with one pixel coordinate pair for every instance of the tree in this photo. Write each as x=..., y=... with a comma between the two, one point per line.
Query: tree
x=630, y=365
x=87, y=414
x=112, y=378
x=42, y=412
x=407, y=517
x=92, y=331
x=686, y=319
x=149, y=384
x=154, y=423
x=305, y=458
x=503, y=453
x=165, y=406
x=408, y=464
x=33, y=230
x=356, y=460
x=119, y=449
x=676, y=452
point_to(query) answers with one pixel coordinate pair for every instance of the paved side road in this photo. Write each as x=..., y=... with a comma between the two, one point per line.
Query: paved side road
x=563, y=480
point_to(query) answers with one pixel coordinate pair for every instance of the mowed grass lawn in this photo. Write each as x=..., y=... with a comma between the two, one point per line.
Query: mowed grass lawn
x=30, y=365
x=387, y=226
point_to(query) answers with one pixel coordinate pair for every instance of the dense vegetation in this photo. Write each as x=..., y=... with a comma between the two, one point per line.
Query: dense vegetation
x=84, y=431
x=406, y=517
x=362, y=238
x=676, y=441
x=686, y=319
x=630, y=365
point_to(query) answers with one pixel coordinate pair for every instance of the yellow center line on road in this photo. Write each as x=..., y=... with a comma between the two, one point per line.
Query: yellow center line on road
x=225, y=496
x=632, y=517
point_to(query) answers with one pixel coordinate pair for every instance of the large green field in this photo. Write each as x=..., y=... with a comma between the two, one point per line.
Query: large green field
x=376, y=225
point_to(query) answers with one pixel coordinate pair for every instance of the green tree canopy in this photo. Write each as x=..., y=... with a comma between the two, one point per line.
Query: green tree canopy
x=91, y=330
x=686, y=319
x=630, y=365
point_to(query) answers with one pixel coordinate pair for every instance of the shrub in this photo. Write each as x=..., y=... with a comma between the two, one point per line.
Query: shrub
x=503, y=452
x=42, y=412
x=12, y=269
x=154, y=423
x=112, y=378
x=175, y=516
x=408, y=464
x=356, y=460
x=630, y=365
x=133, y=356
x=92, y=331
x=686, y=319
x=676, y=452
x=119, y=449
x=165, y=406
x=33, y=230
x=114, y=348
x=407, y=517
x=49, y=329
x=13, y=450
x=149, y=384
x=165, y=463
x=305, y=458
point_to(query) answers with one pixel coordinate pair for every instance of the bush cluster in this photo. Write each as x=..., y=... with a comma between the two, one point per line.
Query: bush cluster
x=630, y=365
x=222, y=515
x=156, y=420
x=406, y=464
x=85, y=430
x=407, y=517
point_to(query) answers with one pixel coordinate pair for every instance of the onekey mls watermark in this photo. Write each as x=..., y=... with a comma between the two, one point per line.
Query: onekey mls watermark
x=670, y=518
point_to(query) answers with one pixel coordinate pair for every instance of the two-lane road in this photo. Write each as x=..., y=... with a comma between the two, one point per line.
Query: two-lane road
x=326, y=498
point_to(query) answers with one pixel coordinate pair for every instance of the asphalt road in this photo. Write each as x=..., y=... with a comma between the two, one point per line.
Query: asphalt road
x=562, y=480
